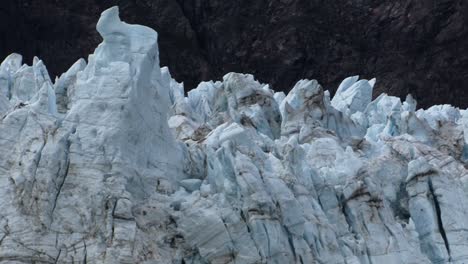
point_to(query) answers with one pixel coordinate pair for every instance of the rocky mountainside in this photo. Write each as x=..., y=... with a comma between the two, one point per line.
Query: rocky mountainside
x=412, y=46
x=112, y=163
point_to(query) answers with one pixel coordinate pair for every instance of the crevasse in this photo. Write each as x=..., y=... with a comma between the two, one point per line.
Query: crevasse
x=112, y=163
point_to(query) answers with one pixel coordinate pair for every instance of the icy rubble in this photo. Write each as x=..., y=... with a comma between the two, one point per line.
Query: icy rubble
x=111, y=163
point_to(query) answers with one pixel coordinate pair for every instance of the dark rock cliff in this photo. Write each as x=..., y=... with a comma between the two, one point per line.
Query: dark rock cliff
x=411, y=46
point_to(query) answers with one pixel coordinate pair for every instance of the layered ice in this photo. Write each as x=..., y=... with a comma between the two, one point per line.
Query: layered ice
x=113, y=163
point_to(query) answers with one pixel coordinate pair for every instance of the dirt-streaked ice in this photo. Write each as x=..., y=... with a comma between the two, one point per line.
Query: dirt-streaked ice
x=112, y=163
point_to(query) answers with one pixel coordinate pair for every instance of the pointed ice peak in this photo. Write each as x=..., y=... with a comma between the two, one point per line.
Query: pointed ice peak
x=206, y=99
x=176, y=91
x=8, y=68
x=300, y=94
x=437, y=115
x=131, y=50
x=267, y=89
x=29, y=81
x=45, y=100
x=410, y=104
x=78, y=66
x=36, y=60
x=11, y=63
x=250, y=102
x=241, y=85
x=64, y=86
x=353, y=95
x=121, y=37
x=381, y=108
x=109, y=22
x=346, y=83
x=302, y=106
x=279, y=97
x=40, y=72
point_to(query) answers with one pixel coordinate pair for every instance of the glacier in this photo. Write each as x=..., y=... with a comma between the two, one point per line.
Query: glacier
x=113, y=163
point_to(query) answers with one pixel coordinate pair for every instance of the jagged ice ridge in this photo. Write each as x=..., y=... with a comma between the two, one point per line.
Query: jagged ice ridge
x=111, y=163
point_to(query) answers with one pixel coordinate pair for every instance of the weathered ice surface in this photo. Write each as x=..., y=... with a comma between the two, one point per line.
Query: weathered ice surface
x=112, y=163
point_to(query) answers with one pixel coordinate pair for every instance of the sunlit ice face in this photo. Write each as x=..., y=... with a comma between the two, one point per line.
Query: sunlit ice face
x=117, y=47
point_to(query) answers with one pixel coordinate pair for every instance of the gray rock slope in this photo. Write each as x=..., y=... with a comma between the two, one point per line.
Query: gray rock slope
x=111, y=163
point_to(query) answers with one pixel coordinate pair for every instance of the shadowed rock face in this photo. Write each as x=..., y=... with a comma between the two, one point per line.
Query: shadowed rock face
x=412, y=46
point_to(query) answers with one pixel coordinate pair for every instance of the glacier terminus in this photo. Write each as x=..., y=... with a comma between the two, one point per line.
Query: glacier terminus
x=113, y=162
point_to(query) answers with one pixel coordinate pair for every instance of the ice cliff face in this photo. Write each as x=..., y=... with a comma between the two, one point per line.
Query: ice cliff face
x=111, y=163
